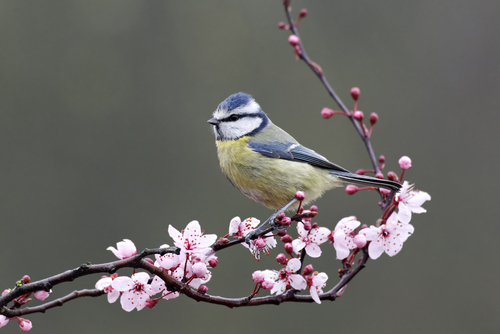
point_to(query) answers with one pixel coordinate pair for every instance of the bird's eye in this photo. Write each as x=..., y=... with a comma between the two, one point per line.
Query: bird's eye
x=234, y=118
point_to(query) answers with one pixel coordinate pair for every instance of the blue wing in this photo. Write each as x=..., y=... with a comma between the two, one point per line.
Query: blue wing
x=294, y=152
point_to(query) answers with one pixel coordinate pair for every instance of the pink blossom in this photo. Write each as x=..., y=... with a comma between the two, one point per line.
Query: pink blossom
x=255, y=249
x=267, y=284
x=199, y=270
x=158, y=285
x=24, y=324
x=104, y=284
x=358, y=115
x=310, y=240
x=409, y=201
x=3, y=320
x=404, y=162
x=192, y=239
x=388, y=238
x=41, y=294
x=286, y=277
x=343, y=236
x=136, y=291
x=126, y=249
x=169, y=261
x=300, y=195
x=327, y=113
x=318, y=283
x=239, y=229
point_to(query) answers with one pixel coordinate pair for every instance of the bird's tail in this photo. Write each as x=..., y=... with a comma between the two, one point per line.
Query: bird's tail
x=367, y=180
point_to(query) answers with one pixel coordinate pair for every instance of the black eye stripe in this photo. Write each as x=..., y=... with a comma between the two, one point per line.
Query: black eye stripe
x=235, y=117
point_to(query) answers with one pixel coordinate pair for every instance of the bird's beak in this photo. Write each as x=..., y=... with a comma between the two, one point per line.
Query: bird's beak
x=213, y=121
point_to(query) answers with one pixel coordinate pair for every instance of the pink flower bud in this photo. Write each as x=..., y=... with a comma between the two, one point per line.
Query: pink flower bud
x=41, y=294
x=358, y=115
x=286, y=238
x=199, y=270
x=308, y=270
x=373, y=118
x=289, y=248
x=6, y=291
x=213, y=262
x=307, y=225
x=381, y=159
x=260, y=243
x=405, y=162
x=360, y=240
x=364, y=226
x=267, y=284
x=314, y=225
x=294, y=40
x=360, y=172
x=313, y=208
x=281, y=233
x=385, y=191
x=309, y=280
x=351, y=189
x=303, y=12
x=379, y=176
x=3, y=320
x=202, y=289
x=300, y=195
x=282, y=25
x=258, y=276
x=392, y=176
x=355, y=93
x=26, y=279
x=24, y=324
x=286, y=221
x=327, y=113
x=280, y=216
x=281, y=258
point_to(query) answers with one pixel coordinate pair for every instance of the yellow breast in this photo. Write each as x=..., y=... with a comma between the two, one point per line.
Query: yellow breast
x=271, y=182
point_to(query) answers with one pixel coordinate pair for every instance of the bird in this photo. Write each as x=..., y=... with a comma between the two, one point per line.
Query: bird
x=267, y=164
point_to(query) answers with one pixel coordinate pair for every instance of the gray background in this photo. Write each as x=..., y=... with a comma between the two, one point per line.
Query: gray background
x=103, y=136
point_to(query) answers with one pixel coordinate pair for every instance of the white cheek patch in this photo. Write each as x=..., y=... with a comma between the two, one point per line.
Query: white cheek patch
x=239, y=128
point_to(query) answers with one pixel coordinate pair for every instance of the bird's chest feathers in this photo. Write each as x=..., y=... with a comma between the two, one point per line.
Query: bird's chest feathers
x=236, y=159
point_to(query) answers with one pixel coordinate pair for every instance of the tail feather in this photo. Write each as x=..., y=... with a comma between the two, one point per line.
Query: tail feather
x=367, y=180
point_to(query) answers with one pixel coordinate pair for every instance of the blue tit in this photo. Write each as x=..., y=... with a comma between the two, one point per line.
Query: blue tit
x=267, y=164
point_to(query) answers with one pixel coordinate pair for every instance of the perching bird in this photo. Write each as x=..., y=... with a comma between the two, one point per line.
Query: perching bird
x=267, y=164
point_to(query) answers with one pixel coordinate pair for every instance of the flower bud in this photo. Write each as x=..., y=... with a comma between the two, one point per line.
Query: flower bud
x=308, y=270
x=314, y=225
x=293, y=39
x=313, y=208
x=355, y=93
x=360, y=240
x=307, y=225
x=289, y=248
x=300, y=195
x=379, y=176
x=26, y=279
x=213, y=262
x=360, y=172
x=281, y=258
x=280, y=216
x=303, y=12
x=373, y=118
x=202, y=289
x=384, y=191
x=258, y=276
x=281, y=233
x=286, y=221
x=41, y=294
x=358, y=115
x=286, y=238
x=6, y=291
x=392, y=176
x=267, y=284
x=405, y=162
x=282, y=25
x=24, y=324
x=309, y=280
x=150, y=303
x=327, y=113
x=381, y=159
x=351, y=189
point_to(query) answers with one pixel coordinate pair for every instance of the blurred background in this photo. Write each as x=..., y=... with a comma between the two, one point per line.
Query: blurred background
x=103, y=136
